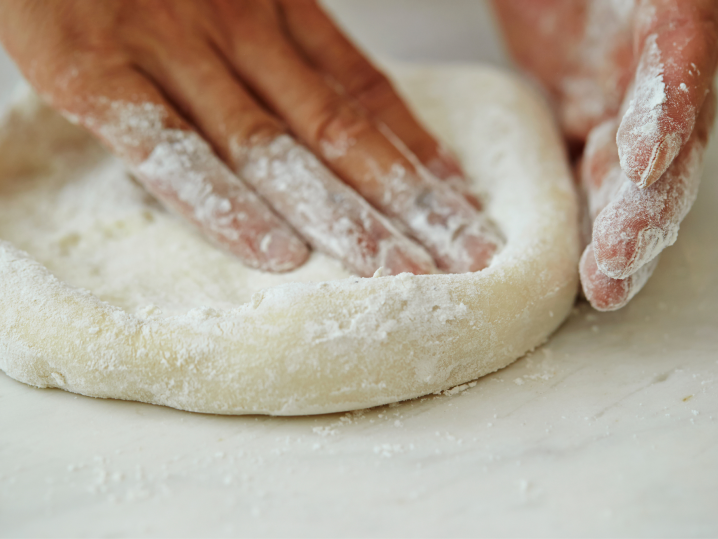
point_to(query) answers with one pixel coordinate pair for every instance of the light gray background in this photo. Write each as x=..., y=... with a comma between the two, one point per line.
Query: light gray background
x=608, y=430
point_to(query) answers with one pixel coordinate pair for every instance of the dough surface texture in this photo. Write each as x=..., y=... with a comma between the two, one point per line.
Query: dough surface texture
x=105, y=294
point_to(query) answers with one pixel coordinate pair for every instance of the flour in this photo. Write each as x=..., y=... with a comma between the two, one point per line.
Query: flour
x=607, y=294
x=332, y=217
x=104, y=293
x=440, y=214
x=624, y=242
x=437, y=168
x=644, y=127
x=183, y=171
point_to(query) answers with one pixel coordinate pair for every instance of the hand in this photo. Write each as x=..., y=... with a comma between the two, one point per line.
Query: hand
x=206, y=100
x=634, y=84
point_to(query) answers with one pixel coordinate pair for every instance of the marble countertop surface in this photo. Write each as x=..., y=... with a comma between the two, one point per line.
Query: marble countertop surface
x=610, y=429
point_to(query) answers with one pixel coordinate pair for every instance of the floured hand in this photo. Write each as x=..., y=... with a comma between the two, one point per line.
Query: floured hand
x=220, y=107
x=632, y=81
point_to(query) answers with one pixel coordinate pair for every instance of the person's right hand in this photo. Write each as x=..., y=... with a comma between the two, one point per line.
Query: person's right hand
x=156, y=79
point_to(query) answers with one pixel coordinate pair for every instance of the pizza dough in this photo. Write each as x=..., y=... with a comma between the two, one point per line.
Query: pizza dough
x=103, y=293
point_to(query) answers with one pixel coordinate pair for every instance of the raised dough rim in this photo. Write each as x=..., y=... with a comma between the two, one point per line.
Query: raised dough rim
x=371, y=354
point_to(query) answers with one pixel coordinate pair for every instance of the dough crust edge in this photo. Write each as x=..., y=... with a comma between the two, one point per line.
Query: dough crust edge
x=340, y=345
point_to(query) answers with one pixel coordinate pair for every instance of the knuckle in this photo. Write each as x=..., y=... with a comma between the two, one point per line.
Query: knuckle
x=254, y=42
x=338, y=121
x=255, y=129
x=248, y=25
x=70, y=84
x=371, y=88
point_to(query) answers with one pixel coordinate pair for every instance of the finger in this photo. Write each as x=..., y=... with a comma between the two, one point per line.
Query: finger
x=604, y=293
x=330, y=51
x=678, y=49
x=457, y=183
x=457, y=236
x=328, y=214
x=127, y=112
x=600, y=171
x=602, y=178
x=639, y=223
x=332, y=216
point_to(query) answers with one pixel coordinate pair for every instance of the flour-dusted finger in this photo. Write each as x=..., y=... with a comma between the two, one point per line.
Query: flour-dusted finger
x=605, y=293
x=457, y=182
x=639, y=223
x=327, y=213
x=601, y=175
x=331, y=52
x=458, y=237
x=601, y=178
x=127, y=112
x=677, y=43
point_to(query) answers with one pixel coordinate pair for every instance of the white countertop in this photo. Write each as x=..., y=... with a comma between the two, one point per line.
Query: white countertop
x=609, y=429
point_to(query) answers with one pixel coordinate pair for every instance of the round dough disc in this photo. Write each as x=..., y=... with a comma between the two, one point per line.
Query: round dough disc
x=104, y=294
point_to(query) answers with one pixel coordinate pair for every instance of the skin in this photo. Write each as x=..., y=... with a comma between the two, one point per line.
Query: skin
x=239, y=74
x=596, y=66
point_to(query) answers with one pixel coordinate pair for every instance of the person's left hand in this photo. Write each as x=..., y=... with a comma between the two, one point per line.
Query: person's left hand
x=634, y=84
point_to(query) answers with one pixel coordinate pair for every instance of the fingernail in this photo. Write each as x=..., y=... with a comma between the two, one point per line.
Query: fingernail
x=460, y=185
x=480, y=250
x=662, y=156
x=444, y=166
x=282, y=251
x=472, y=250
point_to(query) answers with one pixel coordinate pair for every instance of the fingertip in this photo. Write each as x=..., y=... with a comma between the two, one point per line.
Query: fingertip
x=460, y=185
x=659, y=159
x=281, y=251
x=605, y=293
x=482, y=251
x=445, y=166
x=602, y=292
x=400, y=259
x=472, y=250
